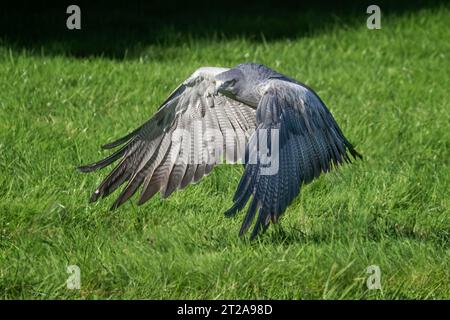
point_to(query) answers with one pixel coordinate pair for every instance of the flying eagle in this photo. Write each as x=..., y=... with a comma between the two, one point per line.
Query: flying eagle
x=276, y=126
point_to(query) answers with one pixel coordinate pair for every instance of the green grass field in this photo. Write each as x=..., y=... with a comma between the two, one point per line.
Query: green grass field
x=389, y=91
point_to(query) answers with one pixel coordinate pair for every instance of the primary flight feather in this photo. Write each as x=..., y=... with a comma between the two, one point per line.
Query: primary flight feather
x=278, y=127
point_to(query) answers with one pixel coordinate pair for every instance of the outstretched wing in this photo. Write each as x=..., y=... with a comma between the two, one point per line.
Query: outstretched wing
x=191, y=132
x=302, y=139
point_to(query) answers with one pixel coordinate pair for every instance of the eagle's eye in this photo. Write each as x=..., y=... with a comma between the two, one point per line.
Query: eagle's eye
x=230, y=83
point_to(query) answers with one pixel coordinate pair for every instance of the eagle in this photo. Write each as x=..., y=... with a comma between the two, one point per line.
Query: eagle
x=276, y=127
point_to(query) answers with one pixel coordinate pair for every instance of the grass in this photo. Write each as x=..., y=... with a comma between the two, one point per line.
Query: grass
x=389, y=91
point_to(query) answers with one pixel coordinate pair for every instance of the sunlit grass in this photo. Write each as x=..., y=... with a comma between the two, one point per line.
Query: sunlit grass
x=388, y=89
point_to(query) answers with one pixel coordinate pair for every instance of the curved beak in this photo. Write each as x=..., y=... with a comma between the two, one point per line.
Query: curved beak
x=219, y=85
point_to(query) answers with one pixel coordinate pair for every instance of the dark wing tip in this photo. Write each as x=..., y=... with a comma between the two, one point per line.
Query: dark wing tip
x=86, y=168
x=109, y=145
x=355, y=154
x=232, y=211
x=122, y=140
x=104, y=162
x=114, y=144
x=95, y=195
x=116, y=204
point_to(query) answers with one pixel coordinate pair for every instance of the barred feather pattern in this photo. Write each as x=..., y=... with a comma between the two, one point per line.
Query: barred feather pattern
x=309, y=143
x=191, y=132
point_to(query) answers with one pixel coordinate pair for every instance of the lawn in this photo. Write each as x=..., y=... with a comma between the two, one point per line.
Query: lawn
x=387, y=88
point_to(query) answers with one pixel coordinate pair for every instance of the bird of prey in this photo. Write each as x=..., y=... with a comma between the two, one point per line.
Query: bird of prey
x=277, y=127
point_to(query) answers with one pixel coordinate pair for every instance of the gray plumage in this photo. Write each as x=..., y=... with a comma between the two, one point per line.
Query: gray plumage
x=229, y=113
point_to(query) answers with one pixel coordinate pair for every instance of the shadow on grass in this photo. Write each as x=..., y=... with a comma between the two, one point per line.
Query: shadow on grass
x=122, y=29
x=288, y=236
